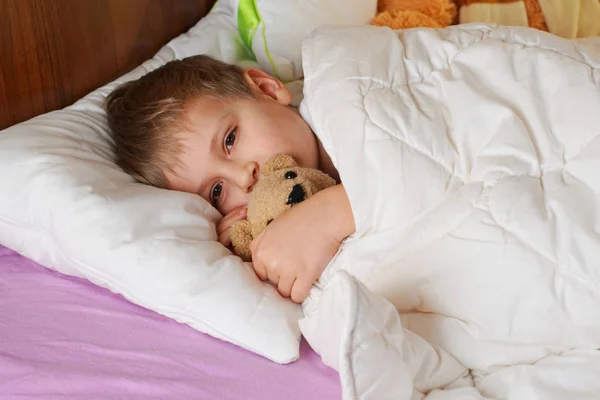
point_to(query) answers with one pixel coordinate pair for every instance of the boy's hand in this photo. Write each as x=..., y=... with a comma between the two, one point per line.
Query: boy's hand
x=237, y=214
x=295, y=248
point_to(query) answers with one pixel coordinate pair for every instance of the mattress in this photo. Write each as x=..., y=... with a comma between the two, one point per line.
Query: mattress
x=63, y=337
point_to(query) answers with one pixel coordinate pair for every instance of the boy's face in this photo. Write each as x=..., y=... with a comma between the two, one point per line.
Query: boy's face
x=227, y=142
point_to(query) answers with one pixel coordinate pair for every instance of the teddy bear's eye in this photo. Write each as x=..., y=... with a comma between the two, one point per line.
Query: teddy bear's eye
x=290, y=175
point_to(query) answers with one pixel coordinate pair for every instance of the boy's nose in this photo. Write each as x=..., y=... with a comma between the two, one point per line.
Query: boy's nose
x=249, y=176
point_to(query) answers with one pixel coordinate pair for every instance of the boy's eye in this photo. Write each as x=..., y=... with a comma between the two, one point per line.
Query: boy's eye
x=230, y=140
x=215, y=193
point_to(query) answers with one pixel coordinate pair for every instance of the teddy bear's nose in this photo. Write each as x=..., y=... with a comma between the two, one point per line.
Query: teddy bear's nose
x=297, y=195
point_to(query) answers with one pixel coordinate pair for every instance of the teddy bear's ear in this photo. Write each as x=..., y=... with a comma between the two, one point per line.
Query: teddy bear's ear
x=280, y=161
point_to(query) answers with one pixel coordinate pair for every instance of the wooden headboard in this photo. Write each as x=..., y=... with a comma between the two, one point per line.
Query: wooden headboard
x=53, y=52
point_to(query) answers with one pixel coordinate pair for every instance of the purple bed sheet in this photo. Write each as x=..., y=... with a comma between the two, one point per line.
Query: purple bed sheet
x=62, y=337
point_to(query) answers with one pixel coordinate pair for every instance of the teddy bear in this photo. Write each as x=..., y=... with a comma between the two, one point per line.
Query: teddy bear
x=404, y=14
x=566, y=18
x=283, y=184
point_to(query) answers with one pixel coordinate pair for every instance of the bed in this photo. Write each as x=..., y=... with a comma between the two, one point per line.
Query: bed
x=501, y=206
x=64, y=337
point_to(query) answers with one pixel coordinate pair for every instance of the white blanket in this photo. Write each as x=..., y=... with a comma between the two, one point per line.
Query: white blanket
x=471, y=157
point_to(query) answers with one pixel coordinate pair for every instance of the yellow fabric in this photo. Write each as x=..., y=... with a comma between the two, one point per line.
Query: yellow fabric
x=510, y=14
x=589, y=19
x=561, y=16
x=572, y=18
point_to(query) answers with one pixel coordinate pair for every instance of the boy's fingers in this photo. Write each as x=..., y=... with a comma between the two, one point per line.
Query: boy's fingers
x=300, y=290
x=224, y=238
x=222, y=226
x=257, y=259
x=285, y=285
x=234, y=216
x=260, y=270
x=273, y=277
x=254, y=246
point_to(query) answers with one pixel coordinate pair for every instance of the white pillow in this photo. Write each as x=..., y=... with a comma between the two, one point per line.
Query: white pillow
x=273, y=30
x=65, y=204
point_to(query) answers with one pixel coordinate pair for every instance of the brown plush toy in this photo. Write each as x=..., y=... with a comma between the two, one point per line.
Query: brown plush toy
x=283, y=185
x=404, y=14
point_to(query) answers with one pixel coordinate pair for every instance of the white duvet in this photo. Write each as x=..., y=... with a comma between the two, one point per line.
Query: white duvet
x=471, y=157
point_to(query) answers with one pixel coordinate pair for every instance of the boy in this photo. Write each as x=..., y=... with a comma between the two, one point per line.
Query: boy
x=201, y=126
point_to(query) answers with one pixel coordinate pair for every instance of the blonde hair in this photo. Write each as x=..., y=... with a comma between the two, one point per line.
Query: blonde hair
x=144, y=115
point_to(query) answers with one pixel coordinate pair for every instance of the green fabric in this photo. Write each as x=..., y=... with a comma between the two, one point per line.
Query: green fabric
x=249, y=20
x=264, y=35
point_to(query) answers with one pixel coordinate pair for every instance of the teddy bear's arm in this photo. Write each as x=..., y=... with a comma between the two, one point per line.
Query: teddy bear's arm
x=241, y=237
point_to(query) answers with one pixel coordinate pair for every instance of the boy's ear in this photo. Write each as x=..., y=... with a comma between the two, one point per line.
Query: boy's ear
x=264, y=84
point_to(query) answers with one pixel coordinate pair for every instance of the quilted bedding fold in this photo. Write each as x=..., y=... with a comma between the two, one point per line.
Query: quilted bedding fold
x=470, y=156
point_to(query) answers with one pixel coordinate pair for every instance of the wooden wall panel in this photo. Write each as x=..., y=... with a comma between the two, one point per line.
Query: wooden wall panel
x=53, y=52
